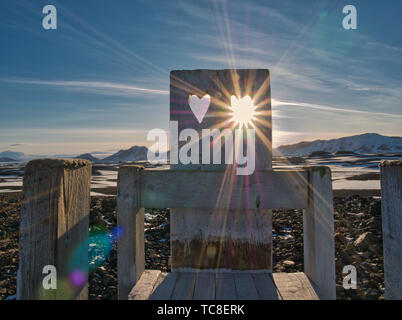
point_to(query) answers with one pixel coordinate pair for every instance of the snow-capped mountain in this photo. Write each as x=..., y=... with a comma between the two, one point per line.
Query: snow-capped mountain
x=368, y=143
x=17, y=156
x=135, y=153
x=87, y=156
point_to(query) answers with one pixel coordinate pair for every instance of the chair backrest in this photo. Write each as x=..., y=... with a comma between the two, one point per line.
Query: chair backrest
x=217, y=99
x=220, y=99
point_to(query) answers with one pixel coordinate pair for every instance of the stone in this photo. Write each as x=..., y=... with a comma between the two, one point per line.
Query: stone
x=340, y=239
x=364, y=241
x=372, y=294
x=288, y=263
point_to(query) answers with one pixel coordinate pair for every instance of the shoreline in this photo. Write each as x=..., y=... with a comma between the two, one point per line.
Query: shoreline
x=112, y=192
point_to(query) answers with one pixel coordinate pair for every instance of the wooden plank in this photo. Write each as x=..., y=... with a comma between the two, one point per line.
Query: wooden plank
x=245, y=287
x=164, y=290
x=160, y=279
x=318, y=231
x=265, y=286
x=210, y=239
x=294, y=286
x=205, y=286
x=268, y=189
x=391, y=213
x=225, y=286
x=145, y=286
x=184, y=288
x=130, y=219
x=309, y=286
x=54, y=229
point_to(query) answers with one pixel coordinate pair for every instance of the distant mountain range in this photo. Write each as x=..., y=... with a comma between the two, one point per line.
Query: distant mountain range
x=135, y=153
x=14, y=156
x=368, y=143
x=87, y=156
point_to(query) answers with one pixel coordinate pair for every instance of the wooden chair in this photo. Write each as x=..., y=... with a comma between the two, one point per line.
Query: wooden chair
x=221, y=222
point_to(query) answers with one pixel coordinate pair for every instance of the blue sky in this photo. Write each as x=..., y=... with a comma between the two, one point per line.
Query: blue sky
x=100, y=81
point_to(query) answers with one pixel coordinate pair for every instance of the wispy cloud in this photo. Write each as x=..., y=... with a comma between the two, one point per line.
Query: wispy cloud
x=278, y=103
x=325, y=81
x=74, y=131
x=92, y=85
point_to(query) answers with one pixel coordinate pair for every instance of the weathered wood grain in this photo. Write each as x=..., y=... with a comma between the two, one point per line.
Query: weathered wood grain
x=265, y=286
x=205, y=286
x=185, y=284
x=54, y=228
x=160, y=279
x=130, y=222
x=318, y=229
x=225, y=286
x=224, y=239
x=294, y=286
x=271, y=189
x=196, y=193
x=391, y=213
x=164, y=290
x=212, y=285
x=145, y=285
x=221, y=85
x=245, y=288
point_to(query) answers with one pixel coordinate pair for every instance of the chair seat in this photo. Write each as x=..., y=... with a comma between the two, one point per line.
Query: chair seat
x=230, y=285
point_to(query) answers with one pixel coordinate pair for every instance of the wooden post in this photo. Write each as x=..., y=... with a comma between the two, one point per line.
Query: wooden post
x=318, y=226
x=54, y=229
x=130, y=222
x=391, y=212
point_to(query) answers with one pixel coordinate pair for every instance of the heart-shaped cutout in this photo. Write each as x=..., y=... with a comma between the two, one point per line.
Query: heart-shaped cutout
x=199, y=106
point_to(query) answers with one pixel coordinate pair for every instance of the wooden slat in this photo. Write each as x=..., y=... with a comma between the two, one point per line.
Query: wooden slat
x=209, y=239
x=309, y=287
x=205, y=286
x=225, y=287
x=160, y=279
x=265, y=286
x=294, y=286
x=130, y=219
x=267, y=189
x=245, y=287
x=164, y=290
x=184, y=288
x=318, y=233
x=145, y=286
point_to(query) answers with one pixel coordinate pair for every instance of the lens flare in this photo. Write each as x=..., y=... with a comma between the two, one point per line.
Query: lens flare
x=78, y=278
x=242, y=112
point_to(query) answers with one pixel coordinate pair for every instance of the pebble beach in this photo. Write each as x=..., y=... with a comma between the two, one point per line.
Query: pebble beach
x=358, y=242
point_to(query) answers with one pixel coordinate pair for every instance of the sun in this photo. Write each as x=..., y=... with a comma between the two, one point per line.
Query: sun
x=242, y=111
